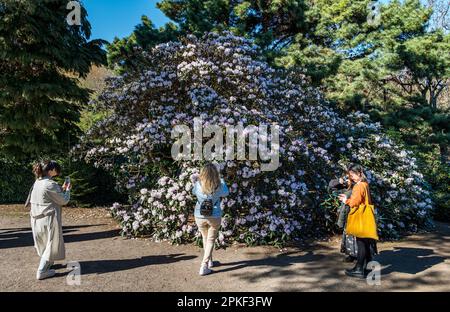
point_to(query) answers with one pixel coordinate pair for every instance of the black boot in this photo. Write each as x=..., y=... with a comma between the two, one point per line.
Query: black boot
x=349, y=259
x=357, y=271
x=366, y=270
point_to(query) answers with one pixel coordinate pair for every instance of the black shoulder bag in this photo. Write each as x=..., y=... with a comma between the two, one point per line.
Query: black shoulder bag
x=206, y=208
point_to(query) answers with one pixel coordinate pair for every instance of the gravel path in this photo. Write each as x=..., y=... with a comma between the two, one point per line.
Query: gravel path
x=110, y=263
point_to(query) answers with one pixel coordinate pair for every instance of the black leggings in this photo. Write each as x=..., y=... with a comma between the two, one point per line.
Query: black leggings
x=364, y=254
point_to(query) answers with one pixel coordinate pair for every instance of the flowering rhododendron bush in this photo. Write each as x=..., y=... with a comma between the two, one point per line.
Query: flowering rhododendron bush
x=220, y=78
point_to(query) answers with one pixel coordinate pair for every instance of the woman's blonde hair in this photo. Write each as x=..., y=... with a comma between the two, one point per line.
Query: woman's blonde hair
x=209, y=178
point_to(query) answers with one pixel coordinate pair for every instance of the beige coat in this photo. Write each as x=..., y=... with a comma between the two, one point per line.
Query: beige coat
x=46, y=199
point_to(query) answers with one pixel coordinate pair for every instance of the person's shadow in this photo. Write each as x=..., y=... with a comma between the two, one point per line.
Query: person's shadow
x=107, y=266
x=280, y=261
x=408, y=260
x=23, y=237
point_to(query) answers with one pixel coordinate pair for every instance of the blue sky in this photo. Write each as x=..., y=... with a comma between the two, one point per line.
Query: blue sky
x=111, y=18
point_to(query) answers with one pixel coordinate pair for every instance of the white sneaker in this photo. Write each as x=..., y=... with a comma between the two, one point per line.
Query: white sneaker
x=210, y=264
x=46, y=274
x=204, y=270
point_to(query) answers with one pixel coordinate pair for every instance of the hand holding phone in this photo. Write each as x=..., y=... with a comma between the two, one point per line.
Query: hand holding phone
x=67, y=186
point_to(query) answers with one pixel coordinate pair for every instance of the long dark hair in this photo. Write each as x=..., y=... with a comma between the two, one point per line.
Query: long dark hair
x=357, y=169
x=41, y=169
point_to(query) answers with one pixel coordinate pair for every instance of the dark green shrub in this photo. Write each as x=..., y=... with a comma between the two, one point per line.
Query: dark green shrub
x=91, y=186
x=441, y=183
x=15, y=181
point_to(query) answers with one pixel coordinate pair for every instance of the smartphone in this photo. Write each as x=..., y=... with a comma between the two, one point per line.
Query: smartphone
x=67, y=182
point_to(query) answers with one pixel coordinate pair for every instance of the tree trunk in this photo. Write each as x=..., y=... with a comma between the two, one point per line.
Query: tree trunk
x=433, y=99
x=424, y=94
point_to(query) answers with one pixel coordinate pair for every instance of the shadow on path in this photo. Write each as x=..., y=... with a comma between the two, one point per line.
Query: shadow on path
x=107, y=266
x=72, y=238
x=280, y=261
x=408, y=260
x=322, y=269
x=23, y=237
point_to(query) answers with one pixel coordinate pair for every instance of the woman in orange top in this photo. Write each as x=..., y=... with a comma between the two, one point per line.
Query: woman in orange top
x=366, y=246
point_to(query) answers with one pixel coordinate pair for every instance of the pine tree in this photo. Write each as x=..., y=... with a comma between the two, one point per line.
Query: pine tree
x=273, y=25
x=41, y=57
x=123, y=54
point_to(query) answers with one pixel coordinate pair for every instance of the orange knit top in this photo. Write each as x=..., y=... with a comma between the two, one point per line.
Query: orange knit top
x=359, y=193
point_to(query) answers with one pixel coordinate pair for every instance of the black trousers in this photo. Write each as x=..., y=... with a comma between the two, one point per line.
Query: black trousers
x=364, y=253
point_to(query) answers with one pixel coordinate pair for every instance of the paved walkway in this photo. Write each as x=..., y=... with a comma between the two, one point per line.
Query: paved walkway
x=110, y=263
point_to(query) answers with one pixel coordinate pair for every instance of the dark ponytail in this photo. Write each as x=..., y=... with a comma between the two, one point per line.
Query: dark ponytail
x=37, y=170
x=41, y=169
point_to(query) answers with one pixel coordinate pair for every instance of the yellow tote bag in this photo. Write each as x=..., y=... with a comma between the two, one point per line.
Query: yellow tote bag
x=361, y=220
